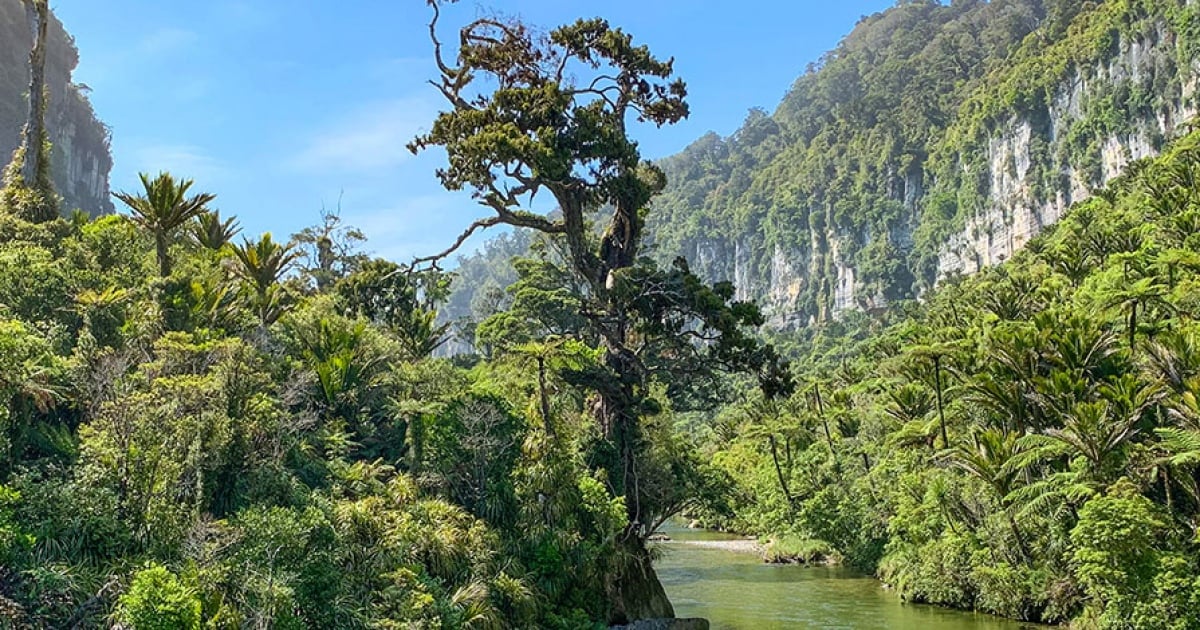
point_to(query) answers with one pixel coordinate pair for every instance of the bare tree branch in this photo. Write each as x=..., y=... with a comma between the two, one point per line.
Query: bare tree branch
x=434, y=259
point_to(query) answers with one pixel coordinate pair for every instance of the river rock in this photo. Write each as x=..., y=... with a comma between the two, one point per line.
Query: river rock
x=665, y=624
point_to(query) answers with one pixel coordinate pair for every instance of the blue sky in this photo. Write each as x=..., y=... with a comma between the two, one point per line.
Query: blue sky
x=281, y=106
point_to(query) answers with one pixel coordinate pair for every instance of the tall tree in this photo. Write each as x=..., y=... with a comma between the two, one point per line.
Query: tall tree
x=403, y=303
x=35, y=128
x=28, y=183
x=534, y=114
x=329, y=250
x=162, y=208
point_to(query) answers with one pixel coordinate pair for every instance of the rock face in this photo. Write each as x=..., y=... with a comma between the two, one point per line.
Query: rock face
x=81, y=158
x=1014, y=212
x=813, y=235
x=937, y=139
x=638, y=595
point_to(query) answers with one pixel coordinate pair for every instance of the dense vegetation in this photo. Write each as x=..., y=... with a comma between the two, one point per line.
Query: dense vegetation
x=197, y=432
x=881, y=152
x=225, y=444
x=1025, y=442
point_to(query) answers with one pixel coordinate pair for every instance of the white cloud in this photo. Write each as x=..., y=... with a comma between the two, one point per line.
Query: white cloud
x=369, y=140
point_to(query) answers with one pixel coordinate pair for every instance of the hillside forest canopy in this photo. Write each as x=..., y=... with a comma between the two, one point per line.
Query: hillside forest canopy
x=202, y=428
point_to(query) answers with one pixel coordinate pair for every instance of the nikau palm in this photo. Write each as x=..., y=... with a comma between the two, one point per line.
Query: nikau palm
x=212, y=233
x=162, y=208
x=263, y=265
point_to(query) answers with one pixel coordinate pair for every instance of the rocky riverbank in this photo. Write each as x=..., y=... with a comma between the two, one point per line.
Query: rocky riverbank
x=775, y=551
x=736, y=546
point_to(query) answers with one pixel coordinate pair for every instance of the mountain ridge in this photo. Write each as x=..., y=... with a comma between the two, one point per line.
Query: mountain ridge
x=934, y=140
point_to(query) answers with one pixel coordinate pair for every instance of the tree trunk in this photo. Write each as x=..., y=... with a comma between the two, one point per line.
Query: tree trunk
x=636, y=593
x=1016, y=532
x=618, y=417
x=779, y=471
x=937, y=378
x=837, y=468
x=1133, y=308
x=37, y=164
x=160, y=250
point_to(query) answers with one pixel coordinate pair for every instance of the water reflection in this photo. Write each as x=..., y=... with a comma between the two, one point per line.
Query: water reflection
x=736, y=591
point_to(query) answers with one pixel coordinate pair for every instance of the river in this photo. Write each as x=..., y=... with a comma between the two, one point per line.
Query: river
x=737, y=591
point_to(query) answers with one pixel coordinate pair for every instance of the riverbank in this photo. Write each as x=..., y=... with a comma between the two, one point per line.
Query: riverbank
x=782, y=550
x=746, y=546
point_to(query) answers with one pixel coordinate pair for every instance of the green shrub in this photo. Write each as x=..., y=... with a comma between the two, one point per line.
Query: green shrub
x=12, y=539
x=1011, y=591
x=792, y=550
x=157, y=599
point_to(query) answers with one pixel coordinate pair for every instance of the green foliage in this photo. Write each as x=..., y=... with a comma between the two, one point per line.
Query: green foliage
x=401, y=300
x=1063, y=486
x=322, y=472
x=663, y=335
x=68, y=108
x=34, y=201
x=787, y=549
x=157, y=600
x=1124, y=566
x=263, y=265
x=329, y=251
x=1023, y=442
x=13, y=541
x=472, y=447
x=211, y=232
x=162, y=209
x=895, y=140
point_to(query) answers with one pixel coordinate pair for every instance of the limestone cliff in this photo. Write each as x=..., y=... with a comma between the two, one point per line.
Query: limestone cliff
x=81, y=157
x=854, y=193
x=1015, y=212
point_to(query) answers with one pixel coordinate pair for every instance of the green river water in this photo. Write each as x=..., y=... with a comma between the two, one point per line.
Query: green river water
x=737, y=591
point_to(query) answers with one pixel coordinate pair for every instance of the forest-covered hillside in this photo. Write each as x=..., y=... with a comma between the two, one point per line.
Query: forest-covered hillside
x=936, y=139
x=1025, y=443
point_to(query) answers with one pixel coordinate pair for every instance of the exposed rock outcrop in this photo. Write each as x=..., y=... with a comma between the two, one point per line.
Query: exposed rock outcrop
x=81, y=159
x=1016, y=212
x=637, y=594
x=868, y=186
x=937, y=139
